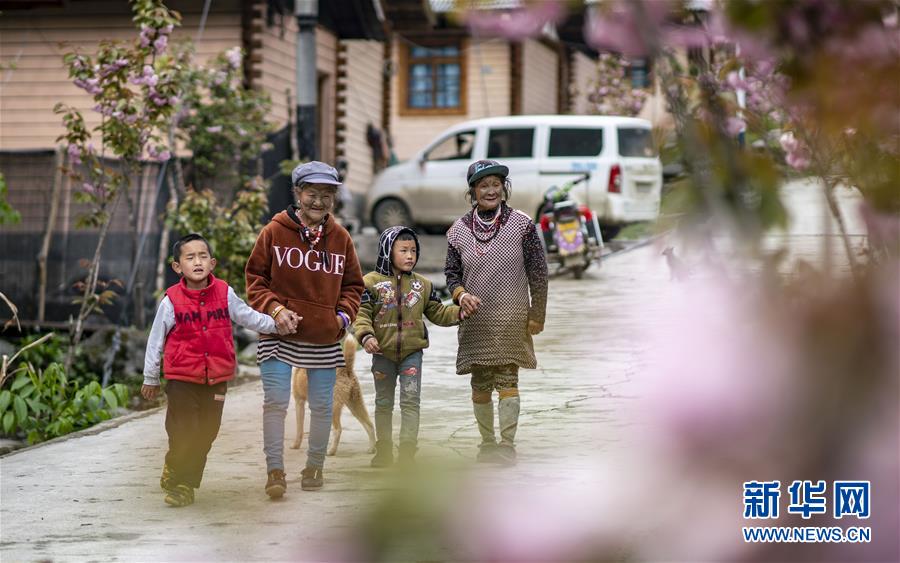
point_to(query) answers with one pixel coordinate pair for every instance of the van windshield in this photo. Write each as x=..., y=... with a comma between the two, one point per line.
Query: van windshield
x=636, y=141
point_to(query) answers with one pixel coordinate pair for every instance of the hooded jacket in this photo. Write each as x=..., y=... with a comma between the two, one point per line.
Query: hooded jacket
x=394, y=306
x=315, y=283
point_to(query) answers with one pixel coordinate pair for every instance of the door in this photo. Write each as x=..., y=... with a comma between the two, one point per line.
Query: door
x=515, y=147
x=440, y=198
x=641, y=173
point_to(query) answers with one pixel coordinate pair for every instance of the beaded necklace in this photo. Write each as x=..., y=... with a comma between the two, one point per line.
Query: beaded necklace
x=307, y=234
x=492, y=227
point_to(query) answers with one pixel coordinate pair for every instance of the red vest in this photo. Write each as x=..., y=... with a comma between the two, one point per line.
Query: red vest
x=200, y=349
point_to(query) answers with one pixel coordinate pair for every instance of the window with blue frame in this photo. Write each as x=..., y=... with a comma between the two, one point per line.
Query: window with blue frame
x=434, y=77
x=639, y=72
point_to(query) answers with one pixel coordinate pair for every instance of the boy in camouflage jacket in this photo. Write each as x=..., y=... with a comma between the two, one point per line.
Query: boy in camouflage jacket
x=390, y=325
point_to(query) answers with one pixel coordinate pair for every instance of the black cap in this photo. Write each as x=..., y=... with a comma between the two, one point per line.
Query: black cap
x=481, y=168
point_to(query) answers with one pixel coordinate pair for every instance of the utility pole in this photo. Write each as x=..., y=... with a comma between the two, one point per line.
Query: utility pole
x=306, y=12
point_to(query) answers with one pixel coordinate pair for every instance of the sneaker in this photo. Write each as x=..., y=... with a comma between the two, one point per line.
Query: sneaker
x=384, y=455
x=276, y=484
x=506, y=455
x=311, y=478
x=165, y=481
x=179, y=496
x=487, y=453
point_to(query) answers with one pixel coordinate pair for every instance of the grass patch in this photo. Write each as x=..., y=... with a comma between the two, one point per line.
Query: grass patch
x=637, y=231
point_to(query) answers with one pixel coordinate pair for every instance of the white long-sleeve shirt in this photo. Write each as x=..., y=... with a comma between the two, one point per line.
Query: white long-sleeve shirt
x=238, y=310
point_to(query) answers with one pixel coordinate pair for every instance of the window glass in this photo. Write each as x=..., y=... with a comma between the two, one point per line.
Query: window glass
x=639, y=70
x=634, y=141
x=434, y=77
x=575, y=142
x=455, y=147
x=510, y=143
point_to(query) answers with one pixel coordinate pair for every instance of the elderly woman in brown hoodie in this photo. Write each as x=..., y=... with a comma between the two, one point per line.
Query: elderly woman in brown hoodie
x=304, y=272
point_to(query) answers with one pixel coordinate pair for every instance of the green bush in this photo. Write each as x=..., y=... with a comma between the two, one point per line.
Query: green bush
x=54, y=350
x=44, y=404
x=231, y=230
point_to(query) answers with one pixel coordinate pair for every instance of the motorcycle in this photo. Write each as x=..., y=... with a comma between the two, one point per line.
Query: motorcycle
x=570, y=232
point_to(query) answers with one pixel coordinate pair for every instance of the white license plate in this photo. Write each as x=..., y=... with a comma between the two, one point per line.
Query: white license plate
x=643, y=187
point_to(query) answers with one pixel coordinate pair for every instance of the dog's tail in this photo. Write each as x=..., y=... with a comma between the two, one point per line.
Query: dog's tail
x=348, y=346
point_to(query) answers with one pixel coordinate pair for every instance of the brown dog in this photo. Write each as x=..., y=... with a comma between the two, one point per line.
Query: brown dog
x=346, y=393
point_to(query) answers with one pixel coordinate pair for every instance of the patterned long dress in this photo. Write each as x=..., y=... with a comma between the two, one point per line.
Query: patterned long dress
x=509, y=275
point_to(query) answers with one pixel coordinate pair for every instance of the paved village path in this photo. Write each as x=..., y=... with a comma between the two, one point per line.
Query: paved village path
x=96, y=497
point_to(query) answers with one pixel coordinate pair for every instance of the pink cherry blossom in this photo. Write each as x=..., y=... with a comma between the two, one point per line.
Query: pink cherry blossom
x=734, y=126
x=159, y=45
x=74, y=154
x=234, y=56
x=516, y=24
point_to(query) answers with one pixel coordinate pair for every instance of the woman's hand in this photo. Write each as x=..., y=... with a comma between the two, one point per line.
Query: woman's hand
x=287, y=321
x=372, y=345
x=469, y=304
x=149, y=392
x=534, y=327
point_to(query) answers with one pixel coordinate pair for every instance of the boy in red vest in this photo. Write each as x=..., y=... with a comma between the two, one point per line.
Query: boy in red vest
x=192, y=333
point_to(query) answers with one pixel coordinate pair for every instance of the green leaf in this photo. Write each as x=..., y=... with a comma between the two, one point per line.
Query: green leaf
x=20, y=381
x=110, y=396
x=37, y=406
x=9, y=421
x=21, y=409
x=26, y=391
x=5, y=400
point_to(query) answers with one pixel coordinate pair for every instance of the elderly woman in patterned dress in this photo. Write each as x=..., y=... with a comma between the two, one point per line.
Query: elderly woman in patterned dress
x=497, y=268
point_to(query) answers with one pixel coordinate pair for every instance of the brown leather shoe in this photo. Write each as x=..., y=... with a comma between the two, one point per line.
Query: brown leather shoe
x=312, y=478
x=276, y=485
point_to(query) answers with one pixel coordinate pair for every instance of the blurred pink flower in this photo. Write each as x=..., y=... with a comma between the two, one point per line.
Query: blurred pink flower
x=516, y=24
x=720, y=370
x=797, y=155
x=525, y=521
x=74, y=154
x=214, y=129
x=234, y=56
x=734, y=126
x=736, y=82
x=618, y=27
x=147, y=34
x=159, y=45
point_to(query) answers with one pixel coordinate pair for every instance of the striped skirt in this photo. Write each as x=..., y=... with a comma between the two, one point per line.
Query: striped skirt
x=300, y=354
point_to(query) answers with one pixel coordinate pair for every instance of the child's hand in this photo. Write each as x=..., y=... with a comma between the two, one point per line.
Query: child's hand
x=534, y=327
x=469, y=303
x=149, y=392
x=372, y=346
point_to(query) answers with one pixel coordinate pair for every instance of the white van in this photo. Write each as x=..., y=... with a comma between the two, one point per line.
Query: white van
x=541, y=151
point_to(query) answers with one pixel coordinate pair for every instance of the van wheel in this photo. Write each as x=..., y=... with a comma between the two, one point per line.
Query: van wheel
x=390, y=213
x=610, y=232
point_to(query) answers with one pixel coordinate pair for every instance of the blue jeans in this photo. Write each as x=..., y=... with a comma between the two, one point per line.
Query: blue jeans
x=386, y=373
x=276, y=380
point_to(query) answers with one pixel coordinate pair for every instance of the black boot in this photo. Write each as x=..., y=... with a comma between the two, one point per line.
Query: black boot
x=384, y=454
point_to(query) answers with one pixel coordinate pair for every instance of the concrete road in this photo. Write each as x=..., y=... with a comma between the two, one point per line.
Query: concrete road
x=96, y=497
